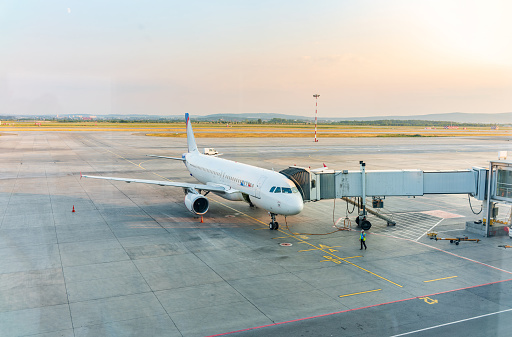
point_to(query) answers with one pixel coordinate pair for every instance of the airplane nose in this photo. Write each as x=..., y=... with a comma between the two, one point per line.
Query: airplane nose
x=296, y=205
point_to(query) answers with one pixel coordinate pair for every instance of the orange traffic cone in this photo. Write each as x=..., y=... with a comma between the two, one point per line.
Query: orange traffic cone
x=201, y=219
x=73, y=211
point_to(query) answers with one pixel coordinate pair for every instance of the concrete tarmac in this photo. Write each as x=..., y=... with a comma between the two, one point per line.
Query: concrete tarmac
x=133, y=261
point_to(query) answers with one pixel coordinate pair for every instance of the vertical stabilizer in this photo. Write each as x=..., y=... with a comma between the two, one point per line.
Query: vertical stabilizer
x=191, y=141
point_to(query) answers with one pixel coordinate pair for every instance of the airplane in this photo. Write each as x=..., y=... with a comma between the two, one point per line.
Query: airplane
x=266, y=189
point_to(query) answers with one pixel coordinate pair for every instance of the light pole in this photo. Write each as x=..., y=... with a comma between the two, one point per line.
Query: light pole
x=316, y=112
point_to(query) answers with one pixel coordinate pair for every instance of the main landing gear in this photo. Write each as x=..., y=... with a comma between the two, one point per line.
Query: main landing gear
x=247, y=199
x=273, y=225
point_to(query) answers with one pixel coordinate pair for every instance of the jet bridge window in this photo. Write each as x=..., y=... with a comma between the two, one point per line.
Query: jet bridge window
x=504, y=183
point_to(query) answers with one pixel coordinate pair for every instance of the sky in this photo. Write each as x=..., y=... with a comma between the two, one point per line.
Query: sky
x=164, y=57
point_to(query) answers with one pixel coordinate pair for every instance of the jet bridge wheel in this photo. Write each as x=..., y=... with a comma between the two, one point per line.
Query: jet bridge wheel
x=366, y=225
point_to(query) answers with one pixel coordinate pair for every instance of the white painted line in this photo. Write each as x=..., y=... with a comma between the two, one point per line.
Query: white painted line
x=412, y=226
x=455, y=322
x=466, y=258
x=431, y=228
x=409, y=233
x=453, y=230
x=444, y=251
x=404, y=231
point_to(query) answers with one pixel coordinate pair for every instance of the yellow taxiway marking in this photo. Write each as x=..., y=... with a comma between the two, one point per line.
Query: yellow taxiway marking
x=317, y=248
x=362, y=292
x=330, y=248
x=333, y=257
x=128, y=160
x=142, y=162
x=439, y=279
x=291, y=236
x=428, y=300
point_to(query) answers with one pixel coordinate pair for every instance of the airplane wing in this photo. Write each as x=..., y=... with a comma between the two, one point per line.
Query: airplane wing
x=212, y=188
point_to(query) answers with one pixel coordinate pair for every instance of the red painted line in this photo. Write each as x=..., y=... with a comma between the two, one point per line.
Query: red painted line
x=355, y=309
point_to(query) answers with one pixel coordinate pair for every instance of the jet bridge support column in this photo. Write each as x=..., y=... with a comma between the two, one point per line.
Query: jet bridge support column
x=488, y=203
x=361, y=219
x=363, y=183
x=362, y=214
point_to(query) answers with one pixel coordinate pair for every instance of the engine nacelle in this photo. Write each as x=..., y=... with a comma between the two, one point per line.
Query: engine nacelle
x=196, y=203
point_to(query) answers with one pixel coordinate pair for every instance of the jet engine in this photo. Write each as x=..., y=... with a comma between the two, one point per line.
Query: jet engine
x=196, y=203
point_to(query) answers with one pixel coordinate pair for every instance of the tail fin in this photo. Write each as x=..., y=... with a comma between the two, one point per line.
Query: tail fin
x=191, y=141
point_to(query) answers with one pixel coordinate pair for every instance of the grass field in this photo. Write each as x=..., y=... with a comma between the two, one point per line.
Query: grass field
x=209, y=130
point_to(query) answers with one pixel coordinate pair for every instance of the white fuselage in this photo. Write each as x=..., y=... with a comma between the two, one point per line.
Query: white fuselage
x=253, y=181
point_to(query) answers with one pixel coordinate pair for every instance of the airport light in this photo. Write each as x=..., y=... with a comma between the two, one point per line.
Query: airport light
x=316, y=112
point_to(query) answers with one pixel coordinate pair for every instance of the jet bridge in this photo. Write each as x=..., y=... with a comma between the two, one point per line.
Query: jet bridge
x=323, y=184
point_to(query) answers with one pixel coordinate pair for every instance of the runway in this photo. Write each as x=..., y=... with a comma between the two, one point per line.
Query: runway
x=133, y=261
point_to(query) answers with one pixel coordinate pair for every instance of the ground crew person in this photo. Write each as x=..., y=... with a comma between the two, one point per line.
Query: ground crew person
x=362, y=238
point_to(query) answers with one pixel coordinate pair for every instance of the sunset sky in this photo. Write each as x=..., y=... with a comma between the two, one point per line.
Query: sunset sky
x=364, y=58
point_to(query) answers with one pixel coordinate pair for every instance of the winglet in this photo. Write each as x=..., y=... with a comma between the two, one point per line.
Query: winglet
x=191, y=141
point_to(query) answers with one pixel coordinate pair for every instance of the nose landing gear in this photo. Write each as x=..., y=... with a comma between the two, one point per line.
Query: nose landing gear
x=273, y=225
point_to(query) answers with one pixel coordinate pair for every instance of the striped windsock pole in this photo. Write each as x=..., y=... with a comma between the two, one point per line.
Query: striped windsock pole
x=316, y=112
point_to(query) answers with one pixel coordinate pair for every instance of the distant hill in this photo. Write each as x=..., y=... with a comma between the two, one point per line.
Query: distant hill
x=458, y=117
x=250, y=116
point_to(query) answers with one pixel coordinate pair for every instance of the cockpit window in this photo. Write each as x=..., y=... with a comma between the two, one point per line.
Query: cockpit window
x=275, y=189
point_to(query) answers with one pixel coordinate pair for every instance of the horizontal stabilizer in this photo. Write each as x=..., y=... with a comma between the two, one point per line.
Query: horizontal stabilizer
x=321, y=169
x=174, y=158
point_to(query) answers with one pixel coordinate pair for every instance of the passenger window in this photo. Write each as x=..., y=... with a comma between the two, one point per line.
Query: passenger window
x=287, y=190
x=272, y=189
x=277, y=190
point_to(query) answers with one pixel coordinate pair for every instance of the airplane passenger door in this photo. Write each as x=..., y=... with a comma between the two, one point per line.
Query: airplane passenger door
x=258, y=186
